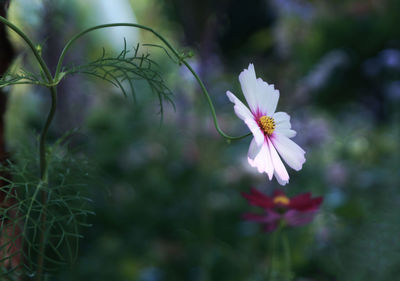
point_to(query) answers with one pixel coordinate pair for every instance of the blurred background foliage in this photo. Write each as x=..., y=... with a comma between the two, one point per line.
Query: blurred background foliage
x=167, y=195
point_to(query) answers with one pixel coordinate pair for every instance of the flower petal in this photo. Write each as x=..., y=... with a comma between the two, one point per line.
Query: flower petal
x=254, y=149
x=279, y=169
x=240, y=109
x=256, y=131
x=289, y=151
x=298, y=218
x=262, y=158
x=286, y=132
x=248, y=82
x=280, y=180
x=279, y=192
x=270, y=219
x=259, y=199
x=283, y=126
x=281, y=117
x=261, y=218
x=273, y=222
x=267, y=97
x=244, y=113
x=304, y=202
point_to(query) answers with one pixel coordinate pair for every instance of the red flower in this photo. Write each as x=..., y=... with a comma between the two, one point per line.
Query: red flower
x=295, y=211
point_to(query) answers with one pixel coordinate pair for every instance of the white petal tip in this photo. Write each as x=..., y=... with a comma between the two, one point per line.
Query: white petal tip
x=253, y=164
x=282, y=181
x=230, y=96
x=248, y=71
x=300, y=166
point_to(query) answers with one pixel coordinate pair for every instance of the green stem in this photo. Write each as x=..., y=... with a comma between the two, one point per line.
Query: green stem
x=286, y=251
x=42, y=143
x=31, y=46
x=44, y=179
x=272, y=269
x=175, y=53
x=43, y=218
x=210, y=104
x=77, y=36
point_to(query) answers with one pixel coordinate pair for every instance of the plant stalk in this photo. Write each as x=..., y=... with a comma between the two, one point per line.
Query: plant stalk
x=287, y=254
x=44, y=181
x=42, y=143
x=272, y=266
x=37, y=55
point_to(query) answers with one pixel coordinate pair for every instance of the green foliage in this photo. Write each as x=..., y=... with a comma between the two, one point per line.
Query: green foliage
x=66, y=209
x=124, y=70
x=20, y=77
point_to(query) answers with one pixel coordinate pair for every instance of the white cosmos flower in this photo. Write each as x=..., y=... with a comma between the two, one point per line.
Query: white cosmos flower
x=271, y=130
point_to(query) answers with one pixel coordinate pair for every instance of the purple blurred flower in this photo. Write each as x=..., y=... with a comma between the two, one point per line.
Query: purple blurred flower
x=326, y=68
x=390, y=58
x=386, y=59
x=296, y=211
x=302, y=9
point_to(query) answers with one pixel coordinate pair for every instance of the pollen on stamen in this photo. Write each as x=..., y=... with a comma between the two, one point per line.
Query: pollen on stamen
x=282, y=200
x=267, y=124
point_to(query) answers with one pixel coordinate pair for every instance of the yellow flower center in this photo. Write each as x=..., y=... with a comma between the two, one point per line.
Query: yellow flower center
x=281, y=199
x=267, y=124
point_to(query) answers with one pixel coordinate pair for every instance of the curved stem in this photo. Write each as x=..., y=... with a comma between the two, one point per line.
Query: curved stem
x=210, y=104
x=77, y=36
x=173, y=50
x=31, y=45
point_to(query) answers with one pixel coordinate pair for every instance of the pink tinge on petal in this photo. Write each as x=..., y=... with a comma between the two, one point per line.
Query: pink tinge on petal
x=255, y=130
x=270, y=219
x=273, y=220
x=298, y=218
x=280, y=180
x=289, y=151
x=267, y=217
x=279, y=168
x=244, y=113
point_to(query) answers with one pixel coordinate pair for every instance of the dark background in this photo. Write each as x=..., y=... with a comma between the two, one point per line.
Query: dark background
x=167, y=197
